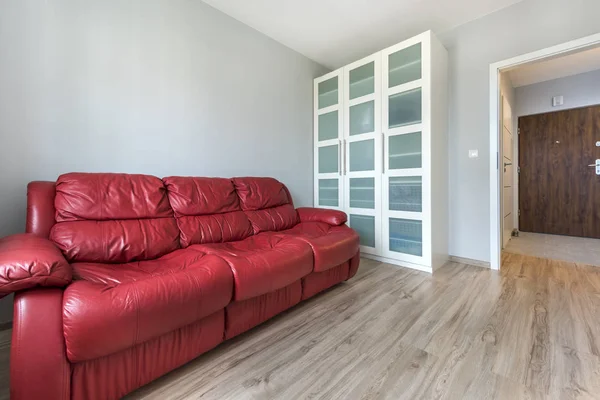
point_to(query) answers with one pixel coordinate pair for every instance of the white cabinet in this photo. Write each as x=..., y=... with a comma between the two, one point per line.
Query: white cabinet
x=381, y=151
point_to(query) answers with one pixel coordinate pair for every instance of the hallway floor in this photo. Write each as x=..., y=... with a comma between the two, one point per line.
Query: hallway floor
x=556, y=247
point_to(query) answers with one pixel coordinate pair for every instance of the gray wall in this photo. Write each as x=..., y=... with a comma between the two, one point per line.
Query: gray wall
x=163, y=87
x=578, y=91
x=524, y=27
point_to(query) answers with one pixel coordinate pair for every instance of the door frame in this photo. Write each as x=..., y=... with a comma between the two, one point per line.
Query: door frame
x=495, y=136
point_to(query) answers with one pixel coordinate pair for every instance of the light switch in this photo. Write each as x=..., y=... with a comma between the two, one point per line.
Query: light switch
x=557, y=101
x=473, y=153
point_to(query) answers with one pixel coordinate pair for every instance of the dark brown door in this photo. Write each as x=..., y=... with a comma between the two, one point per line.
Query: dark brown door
x=559, y=193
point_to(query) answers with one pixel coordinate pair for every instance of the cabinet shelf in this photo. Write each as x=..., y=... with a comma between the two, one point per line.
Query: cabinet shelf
x=407, y=65
x=416, y=153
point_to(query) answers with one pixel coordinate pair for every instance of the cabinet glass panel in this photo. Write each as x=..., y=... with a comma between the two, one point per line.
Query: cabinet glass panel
x=404, y=151
x=406, y=236
x=362, y=193
x=362, y=118
x=364, y=225
x=405, y=65
x=362, y=155
x=328, y=126
x=328, y=92
x=405, y=108
x=328, y=159
x=406, y=193
x=362, y=80
x=328, y=192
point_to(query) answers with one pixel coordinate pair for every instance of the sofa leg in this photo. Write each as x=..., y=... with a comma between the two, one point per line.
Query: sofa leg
x=39, y=368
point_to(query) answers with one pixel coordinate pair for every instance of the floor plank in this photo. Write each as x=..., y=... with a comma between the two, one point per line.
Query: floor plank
x=528, y=331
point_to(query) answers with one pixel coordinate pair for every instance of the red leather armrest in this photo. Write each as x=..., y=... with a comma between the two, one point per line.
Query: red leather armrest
x=27, y=260
x=331, y=217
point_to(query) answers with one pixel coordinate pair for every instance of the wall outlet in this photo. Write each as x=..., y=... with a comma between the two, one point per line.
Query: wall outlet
x=473, y=153
x=557, y=101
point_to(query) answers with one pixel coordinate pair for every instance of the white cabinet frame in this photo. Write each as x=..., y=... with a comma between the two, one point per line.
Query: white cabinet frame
x=434, y=148
x=374, y=135
x=332, y=142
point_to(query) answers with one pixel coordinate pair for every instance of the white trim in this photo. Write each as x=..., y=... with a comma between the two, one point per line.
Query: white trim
x=405, y=130
x=405, y=87
x=328, y=110
x=400, y=263
x=495, y=68
x=362, y=99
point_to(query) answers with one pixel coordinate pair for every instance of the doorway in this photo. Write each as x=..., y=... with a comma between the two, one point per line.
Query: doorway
x=504, y=182
x=559, y=189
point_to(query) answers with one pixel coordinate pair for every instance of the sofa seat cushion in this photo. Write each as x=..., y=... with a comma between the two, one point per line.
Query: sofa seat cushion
x=263, y=263
x=331, y=245
x=112, y=307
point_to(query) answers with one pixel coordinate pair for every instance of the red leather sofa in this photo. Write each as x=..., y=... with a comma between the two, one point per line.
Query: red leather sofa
x=123, y=278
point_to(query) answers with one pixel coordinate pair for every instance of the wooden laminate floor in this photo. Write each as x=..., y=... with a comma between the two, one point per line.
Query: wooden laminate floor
x=530, y=331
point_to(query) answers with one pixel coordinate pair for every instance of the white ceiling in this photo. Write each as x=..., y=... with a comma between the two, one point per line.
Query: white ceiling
x=560, y=67
x=337, y=32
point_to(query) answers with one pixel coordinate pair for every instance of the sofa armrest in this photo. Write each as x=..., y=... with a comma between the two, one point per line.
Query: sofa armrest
x=27, y=261
x=331, y=217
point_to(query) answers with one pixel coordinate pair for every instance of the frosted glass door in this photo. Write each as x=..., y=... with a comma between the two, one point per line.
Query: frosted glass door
x=364, y=225
x=405, y=108
x=404, y=65
x=403, y=87
x=328, y=189
x=403, y=129
x=406, y=236
x=328, y=159
x=362, y=150
x=329, y=192
x=404, y=151
x=328, y=92
x=362, y=193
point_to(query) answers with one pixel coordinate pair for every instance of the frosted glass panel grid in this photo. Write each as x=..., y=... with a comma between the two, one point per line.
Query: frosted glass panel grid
x=328, y=126
x=405, y=65
x=362, y=193
x=364, y=225
x=406, y=236
x=406, y=193
x=362, y=155
x=328, y=159
x=362, y=118
x=329, y=192
x=362, y=80
x=405, y=108
x=405, y=151
x=328, y=92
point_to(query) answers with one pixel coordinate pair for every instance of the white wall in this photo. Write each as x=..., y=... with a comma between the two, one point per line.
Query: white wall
x=163, y=87
x=524, y=27
x=578, y=90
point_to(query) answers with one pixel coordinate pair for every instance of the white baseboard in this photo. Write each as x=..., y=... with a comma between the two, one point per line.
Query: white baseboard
x=469, y=261
x=398, y=263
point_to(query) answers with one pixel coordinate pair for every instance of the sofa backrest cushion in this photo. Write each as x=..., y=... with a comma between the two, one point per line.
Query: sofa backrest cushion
x=113, y=218
x=266, y=203
x=207, y=210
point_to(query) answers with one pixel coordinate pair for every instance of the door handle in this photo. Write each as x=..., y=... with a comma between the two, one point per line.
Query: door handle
x=345, y=157
x=597, y=166
x=383, y=152
x=507, y=163
x=340, y=155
